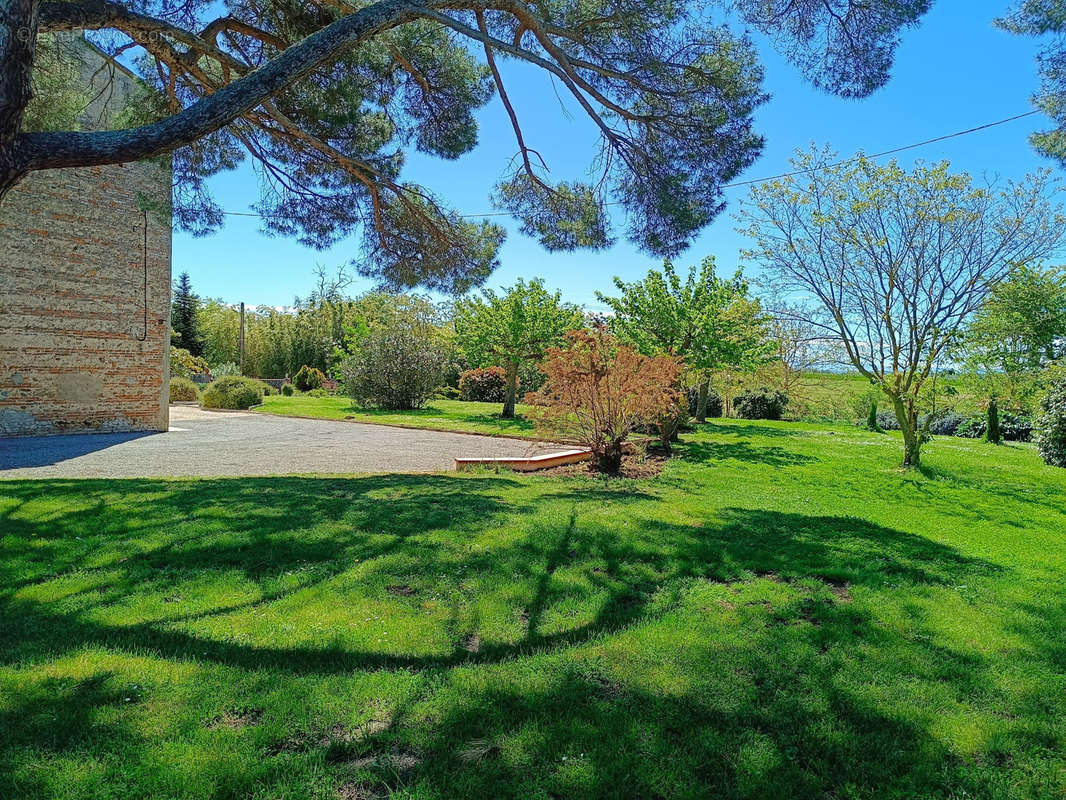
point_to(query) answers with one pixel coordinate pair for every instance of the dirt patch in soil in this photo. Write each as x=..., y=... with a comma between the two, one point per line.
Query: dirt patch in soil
x=399, y=761
x=633, y=466
x=356, y=790
x=400, y=590
x=338, y=735
x=236, y=719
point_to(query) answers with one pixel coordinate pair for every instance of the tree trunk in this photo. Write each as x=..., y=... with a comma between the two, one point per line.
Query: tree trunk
x=701, y=400
x=908, y=425
x=511, y=390
x=18, y=41
x=26, y=152
x=609, y=459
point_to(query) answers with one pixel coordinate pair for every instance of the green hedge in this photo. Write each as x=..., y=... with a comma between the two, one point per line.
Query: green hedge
x=233, y=392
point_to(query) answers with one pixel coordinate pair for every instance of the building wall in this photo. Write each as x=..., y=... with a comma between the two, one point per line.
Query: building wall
x=72, y=302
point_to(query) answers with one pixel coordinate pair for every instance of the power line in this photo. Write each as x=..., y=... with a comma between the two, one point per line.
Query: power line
x=794, y=174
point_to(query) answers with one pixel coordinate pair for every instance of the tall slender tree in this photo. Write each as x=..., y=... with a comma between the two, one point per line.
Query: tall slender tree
x=185, y=316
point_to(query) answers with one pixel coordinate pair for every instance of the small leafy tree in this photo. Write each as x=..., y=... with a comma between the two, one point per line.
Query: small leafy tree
x=308, y=378
x=184, y=364
x=598, y=391
x=1016, y=333
x=508, y=329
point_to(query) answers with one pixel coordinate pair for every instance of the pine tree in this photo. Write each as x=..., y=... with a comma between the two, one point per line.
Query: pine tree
x=185, y=317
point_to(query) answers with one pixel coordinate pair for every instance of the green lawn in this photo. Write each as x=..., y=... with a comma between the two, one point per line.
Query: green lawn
x=781, y=614
x=443, y=415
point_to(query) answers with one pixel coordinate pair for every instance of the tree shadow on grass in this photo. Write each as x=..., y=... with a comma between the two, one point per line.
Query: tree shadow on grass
x=312, y=530
x=763, y=715
x=744, y=451
x=744, y=428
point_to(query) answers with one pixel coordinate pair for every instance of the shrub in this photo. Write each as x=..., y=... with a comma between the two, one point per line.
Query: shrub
x=396, y=368
x=233, y=391
x=268, y=390
x=184, y=364
x=762, y=403
x=886, y=421
x=182, y=390
x=318, y=393
x=308, y=378
x=947, y=424
x=1012, y=427
x=488, y=385
x=1015, y=428
x=288, y=389
x=597, y=391
x=1051, y=441
x=448, y=393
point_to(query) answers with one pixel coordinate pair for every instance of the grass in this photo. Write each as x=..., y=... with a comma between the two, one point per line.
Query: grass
x=782, y=613
x=442, y=415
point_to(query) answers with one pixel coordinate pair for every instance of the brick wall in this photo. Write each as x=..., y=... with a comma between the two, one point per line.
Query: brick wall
x=72, y=302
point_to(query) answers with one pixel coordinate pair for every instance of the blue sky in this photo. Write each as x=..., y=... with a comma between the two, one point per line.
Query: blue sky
x=954, y=72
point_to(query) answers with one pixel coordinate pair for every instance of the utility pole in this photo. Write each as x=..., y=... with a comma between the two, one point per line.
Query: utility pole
x=242, y=339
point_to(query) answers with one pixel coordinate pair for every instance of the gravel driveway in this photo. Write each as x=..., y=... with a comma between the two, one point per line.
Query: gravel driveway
x=210, y=444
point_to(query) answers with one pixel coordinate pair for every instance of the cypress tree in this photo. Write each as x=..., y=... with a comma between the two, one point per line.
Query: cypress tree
x=185, y=316
x=871, y=418
x=992, y=434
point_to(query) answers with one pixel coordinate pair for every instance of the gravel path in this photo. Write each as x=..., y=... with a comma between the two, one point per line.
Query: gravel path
x=211, y=444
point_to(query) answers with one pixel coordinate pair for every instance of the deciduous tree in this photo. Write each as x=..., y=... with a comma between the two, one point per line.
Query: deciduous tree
x=1016, y=333
x=519, y=325
x=708, y=322
x=898, y=260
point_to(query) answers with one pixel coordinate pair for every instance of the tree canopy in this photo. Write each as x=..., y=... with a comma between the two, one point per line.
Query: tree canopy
x=897, y=261
x=1046, y=18
x=327, y=97
x=519, y=325
x=1019, y=330
x=709, y=322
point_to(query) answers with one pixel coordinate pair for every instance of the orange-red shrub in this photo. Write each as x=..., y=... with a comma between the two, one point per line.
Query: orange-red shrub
x=598, y=391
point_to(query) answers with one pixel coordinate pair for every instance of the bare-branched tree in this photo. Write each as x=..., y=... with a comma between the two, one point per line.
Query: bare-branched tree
x=897, y=260
x=327, y=95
